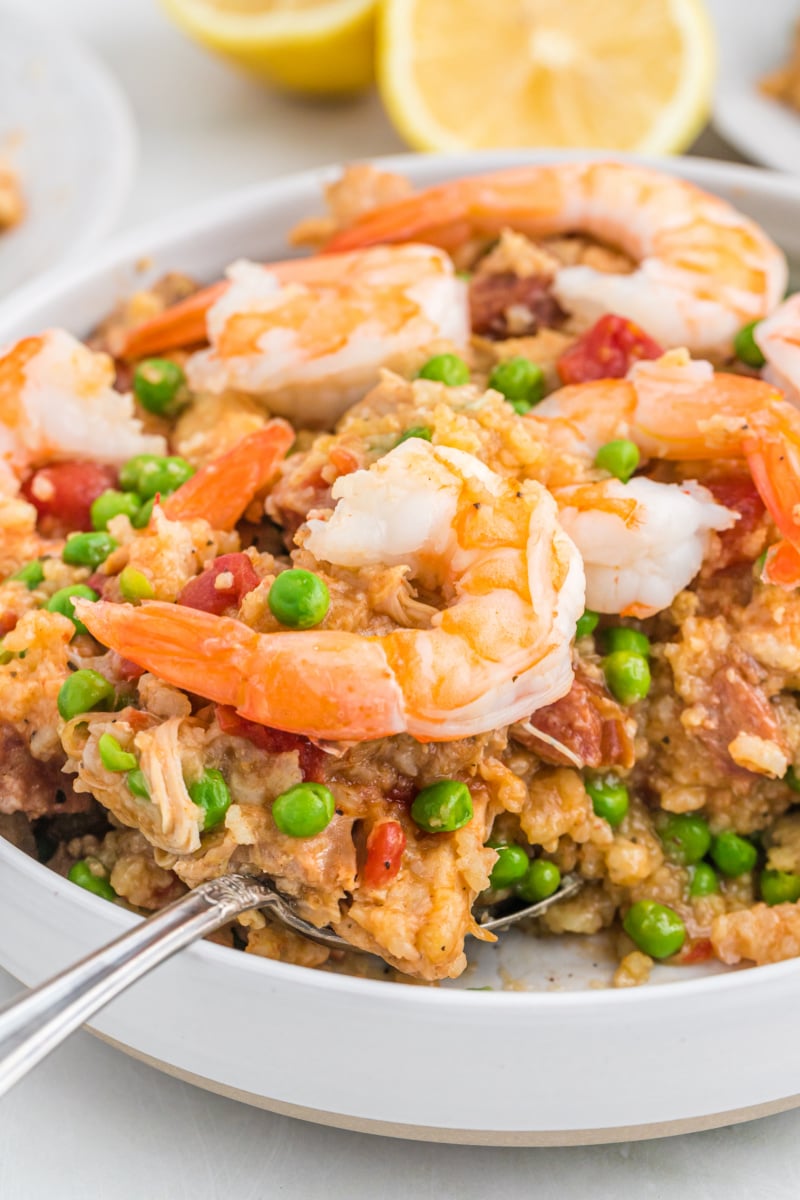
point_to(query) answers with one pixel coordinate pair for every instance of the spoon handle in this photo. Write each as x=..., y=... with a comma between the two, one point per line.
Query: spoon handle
x=43, y=1017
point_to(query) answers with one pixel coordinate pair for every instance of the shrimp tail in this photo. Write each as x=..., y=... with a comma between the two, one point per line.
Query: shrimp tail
x=221, y=491
x=184, y=324
x=772, y=450
x=180, y=325
x=324, y=684
x=186, y=647
x=441, y=216
x=782, y=565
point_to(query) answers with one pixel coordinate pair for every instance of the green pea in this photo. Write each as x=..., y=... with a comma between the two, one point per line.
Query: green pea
x=113, y=757
x=685, y=838
x=446, y=368
x=442, y=807
x=416, y=431
x=84, y=691
x=212, y=794
x=586, y=624
x=304, y=811
x=704, y=880
x=32, y=574
x=512, y=863
x=134, y=585
x=132, y=469
x=141, y=519
x=137, y=784
x=733, y=855
x=521, y=381
x=780, y=887
x=299, y=599
x=88, y=549
x=542, y=879
x=609, y=798
x=622, y=638
x=150, y=475
x=112, y=503
x=82, y=874
x=627, y=675
x=163, y=476
x=5, y=656
x=619, y=458
x=61, y=602
x=792, y=779
x=746, y=348
x=159, y=386
x=656, y=929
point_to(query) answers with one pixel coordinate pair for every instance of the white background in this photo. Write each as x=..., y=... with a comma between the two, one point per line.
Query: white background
x=91, y=1122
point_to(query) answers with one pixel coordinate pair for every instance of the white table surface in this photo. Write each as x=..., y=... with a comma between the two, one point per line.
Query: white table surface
x=92, y=1122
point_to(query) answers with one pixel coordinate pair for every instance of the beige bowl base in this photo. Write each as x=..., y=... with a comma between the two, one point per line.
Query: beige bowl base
x=464, y=1137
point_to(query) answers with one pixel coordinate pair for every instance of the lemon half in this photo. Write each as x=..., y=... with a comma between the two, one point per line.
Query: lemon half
x=631, y=75
x=313, y=46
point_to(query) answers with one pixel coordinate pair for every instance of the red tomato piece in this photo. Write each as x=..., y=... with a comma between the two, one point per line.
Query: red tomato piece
x=8, y=621
x=127, y=670
x=606, y=351
x=98, y=582
x=385, y=846
x=63, y=494
x=695, y=951
x=205, y=591
x=744, y=541
x=274, y=741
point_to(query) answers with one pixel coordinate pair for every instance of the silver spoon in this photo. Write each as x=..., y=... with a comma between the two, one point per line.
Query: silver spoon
x=43, y=1017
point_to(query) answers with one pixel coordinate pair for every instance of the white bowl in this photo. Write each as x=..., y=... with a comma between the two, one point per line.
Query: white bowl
x=67, y=128
x=562, y=1062
x=748, y=49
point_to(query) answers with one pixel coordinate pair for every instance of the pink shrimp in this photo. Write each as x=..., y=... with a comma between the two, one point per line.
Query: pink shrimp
x=704, y=269
x=310, y=337
x=512, y=585
x=57, y=401
x=674, y=408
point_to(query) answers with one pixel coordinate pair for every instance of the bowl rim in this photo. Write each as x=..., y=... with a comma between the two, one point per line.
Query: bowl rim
x=147, y=239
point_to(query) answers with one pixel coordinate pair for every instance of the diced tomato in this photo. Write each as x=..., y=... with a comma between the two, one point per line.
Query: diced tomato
x=696, y=951
x=606, y=351
x=8, y=621
x=274, y=741
x=98, y=582
x=742, y=543
x=63, y=494
x=127, y=670
x=385, y=846
x=205, y=593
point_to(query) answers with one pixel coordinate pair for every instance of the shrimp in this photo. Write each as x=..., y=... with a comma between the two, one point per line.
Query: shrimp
x=57, y=401
x=310, y=337
x=637, y=560
x=512, y=585
x=703, y=270
x=679, y=409
x=222, y=490
x=778, y=339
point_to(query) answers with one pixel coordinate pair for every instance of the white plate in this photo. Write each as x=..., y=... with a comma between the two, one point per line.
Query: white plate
x=65, y=127
x=561, y=1062
x=753, y=40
